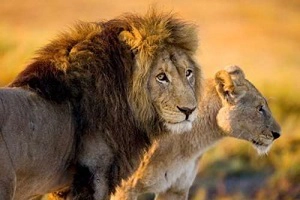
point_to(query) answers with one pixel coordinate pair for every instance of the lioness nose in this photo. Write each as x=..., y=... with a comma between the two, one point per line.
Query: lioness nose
x=187, y=111
x=275, y=135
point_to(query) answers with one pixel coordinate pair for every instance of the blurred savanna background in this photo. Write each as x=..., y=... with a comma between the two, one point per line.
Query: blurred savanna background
x=263, y=37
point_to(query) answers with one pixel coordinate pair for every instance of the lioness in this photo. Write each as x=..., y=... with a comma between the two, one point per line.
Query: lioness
x=230, y=106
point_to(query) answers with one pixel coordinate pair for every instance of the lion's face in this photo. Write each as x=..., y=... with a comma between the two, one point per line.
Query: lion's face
x=245, y=113
x=172, y=85
x=165, y=81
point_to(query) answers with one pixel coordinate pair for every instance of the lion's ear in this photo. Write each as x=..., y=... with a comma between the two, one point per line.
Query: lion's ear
x=236, y=73
x=224, y=85
x=132, y=39
x=229, y=85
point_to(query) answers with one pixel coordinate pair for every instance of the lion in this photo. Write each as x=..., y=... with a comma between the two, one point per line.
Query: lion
x=230, y=106
x=128, y=81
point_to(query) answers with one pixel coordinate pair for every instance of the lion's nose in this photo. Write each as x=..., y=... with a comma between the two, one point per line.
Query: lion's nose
x=187, y=111
x=275, y=135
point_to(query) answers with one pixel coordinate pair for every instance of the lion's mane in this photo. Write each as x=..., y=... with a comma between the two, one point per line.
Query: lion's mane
x=102, y=69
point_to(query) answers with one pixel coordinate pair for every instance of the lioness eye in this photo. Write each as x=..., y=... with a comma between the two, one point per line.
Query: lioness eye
x=261, y=109
x=189, y=73
x=162, y=77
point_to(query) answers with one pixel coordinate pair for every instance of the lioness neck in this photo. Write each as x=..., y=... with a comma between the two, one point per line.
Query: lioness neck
x=205, y=130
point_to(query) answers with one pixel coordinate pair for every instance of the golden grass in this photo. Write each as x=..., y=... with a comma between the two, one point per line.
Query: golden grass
x=260, y=36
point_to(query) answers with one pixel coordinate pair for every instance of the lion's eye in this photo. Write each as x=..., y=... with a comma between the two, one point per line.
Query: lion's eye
x=188, y=73
x=261, y=109
x=162, y=77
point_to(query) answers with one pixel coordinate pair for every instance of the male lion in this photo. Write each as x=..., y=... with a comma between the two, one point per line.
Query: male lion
x=230, y=106
x=127, y=80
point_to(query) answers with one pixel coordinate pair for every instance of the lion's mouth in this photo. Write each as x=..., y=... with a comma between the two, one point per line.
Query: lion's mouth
x=179, y=127
x=258, y=143
x=179, y=122
x=262, y=148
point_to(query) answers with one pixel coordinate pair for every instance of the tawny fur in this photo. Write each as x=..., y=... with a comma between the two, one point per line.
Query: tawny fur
x=108, y=72
x=230, y=106
x=37, y=144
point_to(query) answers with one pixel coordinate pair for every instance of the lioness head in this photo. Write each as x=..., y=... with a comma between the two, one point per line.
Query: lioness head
x=245, y=113
x=166, y=79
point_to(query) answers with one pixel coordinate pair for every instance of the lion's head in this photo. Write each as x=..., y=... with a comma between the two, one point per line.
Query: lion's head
x=166, y=80
x=245, y=113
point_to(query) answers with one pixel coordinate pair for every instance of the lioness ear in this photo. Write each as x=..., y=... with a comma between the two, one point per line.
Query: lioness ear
x=236, y=73
x=224, y=85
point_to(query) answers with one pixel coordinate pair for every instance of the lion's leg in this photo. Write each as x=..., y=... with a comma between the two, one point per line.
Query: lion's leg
x=124, y=193
x=7, y=173
x=7, y=186
x=135, y=185
x=92, y=179
x=138, y=182
x=173, y=195
x=82, y=188
x=180, y=189
x=101, y=186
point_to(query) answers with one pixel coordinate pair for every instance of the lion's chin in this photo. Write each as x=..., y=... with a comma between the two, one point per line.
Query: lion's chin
x=180, y=127
x=262, y=149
